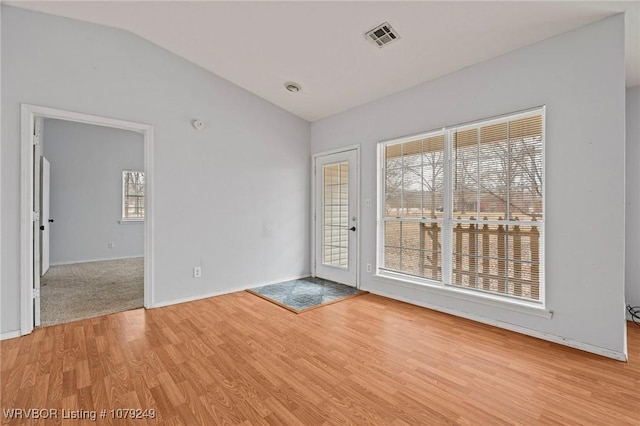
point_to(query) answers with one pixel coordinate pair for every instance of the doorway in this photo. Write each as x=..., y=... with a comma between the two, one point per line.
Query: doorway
x=335, y=216
x=33, y=222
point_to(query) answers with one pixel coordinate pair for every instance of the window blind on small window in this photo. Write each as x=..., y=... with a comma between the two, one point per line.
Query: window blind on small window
x=132, y=195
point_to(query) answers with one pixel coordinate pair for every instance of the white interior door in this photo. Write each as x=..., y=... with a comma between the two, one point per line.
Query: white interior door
x=45, y=187
x=37, y=223
x=335, y=218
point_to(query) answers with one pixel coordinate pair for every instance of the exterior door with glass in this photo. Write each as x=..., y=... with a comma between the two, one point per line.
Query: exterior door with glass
x=335, y=218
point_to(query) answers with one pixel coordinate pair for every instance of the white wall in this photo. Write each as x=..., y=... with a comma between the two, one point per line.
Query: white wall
x=232, y=198
x=86, y=191
x=632, y=247
x=579, y=76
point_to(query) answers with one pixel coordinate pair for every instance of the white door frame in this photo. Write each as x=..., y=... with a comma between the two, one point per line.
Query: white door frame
x=45, y=198
x=28, y=113
x=313, y=207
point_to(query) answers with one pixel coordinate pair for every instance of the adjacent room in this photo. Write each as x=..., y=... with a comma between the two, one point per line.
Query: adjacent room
x=92, y=242
x=320, y=213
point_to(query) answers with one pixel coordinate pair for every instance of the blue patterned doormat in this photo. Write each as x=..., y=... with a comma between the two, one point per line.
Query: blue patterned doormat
x=306, y=293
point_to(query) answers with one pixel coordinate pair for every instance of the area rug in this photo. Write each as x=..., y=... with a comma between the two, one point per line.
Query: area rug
x=84, y=290
x=306, y=293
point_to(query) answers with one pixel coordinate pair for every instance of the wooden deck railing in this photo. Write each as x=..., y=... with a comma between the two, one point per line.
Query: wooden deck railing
x=489, y=257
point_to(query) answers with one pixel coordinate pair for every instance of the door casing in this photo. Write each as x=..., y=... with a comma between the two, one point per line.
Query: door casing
x=36, y=199
x=28, y=113
x=45, y=211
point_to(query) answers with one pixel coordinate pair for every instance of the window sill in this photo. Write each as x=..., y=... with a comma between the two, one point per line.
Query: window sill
x=463, y=294
x=130, y=221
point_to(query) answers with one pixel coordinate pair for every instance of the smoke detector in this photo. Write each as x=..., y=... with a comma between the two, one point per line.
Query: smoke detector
x=382, y=35
x=197, y=124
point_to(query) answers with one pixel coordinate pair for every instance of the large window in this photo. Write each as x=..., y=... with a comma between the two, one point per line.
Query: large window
x=132, y=195
x=463, y=207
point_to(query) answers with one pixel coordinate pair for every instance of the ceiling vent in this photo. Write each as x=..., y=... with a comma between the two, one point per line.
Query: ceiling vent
x=382, y=35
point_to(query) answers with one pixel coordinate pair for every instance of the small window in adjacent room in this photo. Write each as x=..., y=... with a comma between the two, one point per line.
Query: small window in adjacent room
x=132, y=195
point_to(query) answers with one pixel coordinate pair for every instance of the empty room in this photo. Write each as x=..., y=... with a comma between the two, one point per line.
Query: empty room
x=318, y=213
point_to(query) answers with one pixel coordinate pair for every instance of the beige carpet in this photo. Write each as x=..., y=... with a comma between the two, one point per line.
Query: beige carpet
x=84, y=290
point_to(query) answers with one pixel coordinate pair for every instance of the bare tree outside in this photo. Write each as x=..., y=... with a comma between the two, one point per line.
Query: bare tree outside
x=496, y=211
x=133, y=194
x=498, y=171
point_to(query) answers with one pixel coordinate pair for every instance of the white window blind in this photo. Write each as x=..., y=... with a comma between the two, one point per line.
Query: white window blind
x=464, y=206
x=335, y=202
x=413, y=206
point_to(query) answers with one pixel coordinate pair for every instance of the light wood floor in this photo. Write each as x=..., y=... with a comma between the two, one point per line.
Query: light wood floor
x=238, y=359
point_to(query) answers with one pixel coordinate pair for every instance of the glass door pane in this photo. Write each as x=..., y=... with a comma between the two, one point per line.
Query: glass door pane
x=335, y=209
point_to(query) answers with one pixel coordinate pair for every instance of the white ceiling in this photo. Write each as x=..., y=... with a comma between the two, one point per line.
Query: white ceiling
x=321, y=45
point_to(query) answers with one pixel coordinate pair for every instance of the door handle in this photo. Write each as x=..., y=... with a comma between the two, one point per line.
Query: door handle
x=353, y=228
x=42, y=227
x=50, y=220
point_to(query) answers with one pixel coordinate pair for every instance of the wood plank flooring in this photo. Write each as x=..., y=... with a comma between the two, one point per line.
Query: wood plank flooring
x=238, y=359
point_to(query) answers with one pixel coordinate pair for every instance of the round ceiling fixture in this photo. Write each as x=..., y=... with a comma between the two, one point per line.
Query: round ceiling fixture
x=197, y=124
x=292, y=86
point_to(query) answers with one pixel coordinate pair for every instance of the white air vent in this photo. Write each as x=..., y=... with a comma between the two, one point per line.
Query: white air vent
x=382, y=34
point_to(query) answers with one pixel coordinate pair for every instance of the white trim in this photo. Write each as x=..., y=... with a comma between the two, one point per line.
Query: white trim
x=380, y=183
x=312, y=260
x=625, y=342
x=485, y=298
x=149, y=288
x=78, y=117
x=359, y=216
x=447, y=237
x=96, y=260
x=314, y=158
x=620, y=356
x=10, y=335
x=283, y=280
x=28, y=112
x=131, y=221
x=221, y=293
x=543, y=228
x=191, y=298
x=1, y=237
x=26, y=225
x=336, y=151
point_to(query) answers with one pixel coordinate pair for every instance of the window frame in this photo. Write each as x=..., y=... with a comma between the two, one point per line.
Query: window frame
x=124, y=195
x=445, y=285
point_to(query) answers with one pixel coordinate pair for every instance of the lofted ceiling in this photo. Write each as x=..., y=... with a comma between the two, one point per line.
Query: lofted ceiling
x=321, y=45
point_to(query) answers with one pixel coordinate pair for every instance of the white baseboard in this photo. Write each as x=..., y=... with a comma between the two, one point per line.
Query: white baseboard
x=620, y=356
x=10, y=335
x=220, y=293
x=94, y=260
x=279, y=281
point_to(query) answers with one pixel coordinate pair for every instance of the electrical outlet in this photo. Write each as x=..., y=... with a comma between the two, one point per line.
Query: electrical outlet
x=369, y=267
x=111, y=245
x=197, y=272
x=367, y=202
